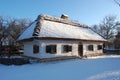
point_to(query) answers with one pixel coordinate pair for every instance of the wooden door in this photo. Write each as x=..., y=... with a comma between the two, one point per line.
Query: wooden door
x=80, y=50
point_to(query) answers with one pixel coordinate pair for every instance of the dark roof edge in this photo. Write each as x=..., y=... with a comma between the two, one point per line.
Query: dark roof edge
x=54, y=38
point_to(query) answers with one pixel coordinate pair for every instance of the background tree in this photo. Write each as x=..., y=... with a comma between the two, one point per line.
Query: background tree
x=108, y=27
x=11, y=28
x=16, y=26
x=117, y=38
x=117, y=2
x=117, y=41
x=1, y=26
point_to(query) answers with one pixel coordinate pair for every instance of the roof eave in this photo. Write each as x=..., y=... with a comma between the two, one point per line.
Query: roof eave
x=66, y=39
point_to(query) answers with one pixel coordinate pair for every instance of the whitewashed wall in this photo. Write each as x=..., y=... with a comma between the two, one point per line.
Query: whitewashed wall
x=28, y=48
x=95, y=51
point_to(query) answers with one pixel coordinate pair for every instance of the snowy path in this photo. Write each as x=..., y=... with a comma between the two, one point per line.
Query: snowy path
x=111, y=75
x=101, y=68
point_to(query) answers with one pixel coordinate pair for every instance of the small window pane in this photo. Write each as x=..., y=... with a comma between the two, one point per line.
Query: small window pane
x=90, y=47
x=51, y=49
x=99, y=47
x=67, y=48
x=35, y=49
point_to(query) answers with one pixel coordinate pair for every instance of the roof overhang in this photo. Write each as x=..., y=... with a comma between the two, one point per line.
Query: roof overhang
x=64, y=39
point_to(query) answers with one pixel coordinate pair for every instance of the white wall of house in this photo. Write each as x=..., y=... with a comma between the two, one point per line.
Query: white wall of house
x=28, y=48
x=95, y=50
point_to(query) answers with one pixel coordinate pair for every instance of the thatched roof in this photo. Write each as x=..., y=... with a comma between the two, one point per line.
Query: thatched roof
x=52, y=27
x=61, y=20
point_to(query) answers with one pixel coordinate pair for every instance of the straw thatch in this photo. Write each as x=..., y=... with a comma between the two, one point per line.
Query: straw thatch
x=55, y=19
x=61, y=20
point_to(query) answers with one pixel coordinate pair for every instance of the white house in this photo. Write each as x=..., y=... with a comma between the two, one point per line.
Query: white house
x=50, y=36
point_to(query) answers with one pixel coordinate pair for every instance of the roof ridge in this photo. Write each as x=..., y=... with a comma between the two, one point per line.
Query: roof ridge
x=60, y=20
x=37, y=27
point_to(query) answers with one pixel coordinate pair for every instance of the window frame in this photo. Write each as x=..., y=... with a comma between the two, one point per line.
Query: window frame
x=51, y=49
x=36, y=49
x=99, y=47
x=90, y=47
x=66, y=48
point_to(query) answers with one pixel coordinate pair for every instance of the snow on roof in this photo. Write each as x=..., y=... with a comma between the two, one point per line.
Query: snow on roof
x=28, y=32
x=60, y=20
x=56, y=29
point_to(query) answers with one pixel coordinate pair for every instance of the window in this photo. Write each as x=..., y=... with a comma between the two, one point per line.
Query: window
x=35, y=49
x=51, y=49
x=99, y=47
x=90, y=47
x=67, y=48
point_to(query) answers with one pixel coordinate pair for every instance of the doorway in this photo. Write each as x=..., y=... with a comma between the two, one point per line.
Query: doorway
x=80, y=50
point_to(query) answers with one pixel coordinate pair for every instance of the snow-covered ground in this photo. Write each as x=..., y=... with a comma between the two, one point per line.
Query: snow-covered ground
x=97, y=68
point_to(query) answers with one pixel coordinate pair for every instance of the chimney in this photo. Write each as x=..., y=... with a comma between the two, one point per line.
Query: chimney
x=64, y=16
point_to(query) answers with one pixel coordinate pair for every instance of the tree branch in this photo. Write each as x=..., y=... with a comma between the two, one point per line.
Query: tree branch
x=117, y=2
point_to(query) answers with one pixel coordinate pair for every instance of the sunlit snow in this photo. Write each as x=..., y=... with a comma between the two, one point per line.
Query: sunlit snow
x=59, y=30
x=99, y=68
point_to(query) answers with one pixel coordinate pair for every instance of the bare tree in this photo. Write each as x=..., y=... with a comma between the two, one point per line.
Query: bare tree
x=23, y=23
x=16, y=26
x=117, y=41
x=1, y=28
x=117, y=2
x=107, y=28
x=10, y=28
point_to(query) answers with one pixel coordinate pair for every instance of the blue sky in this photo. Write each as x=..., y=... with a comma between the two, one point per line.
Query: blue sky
x=84, y=11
